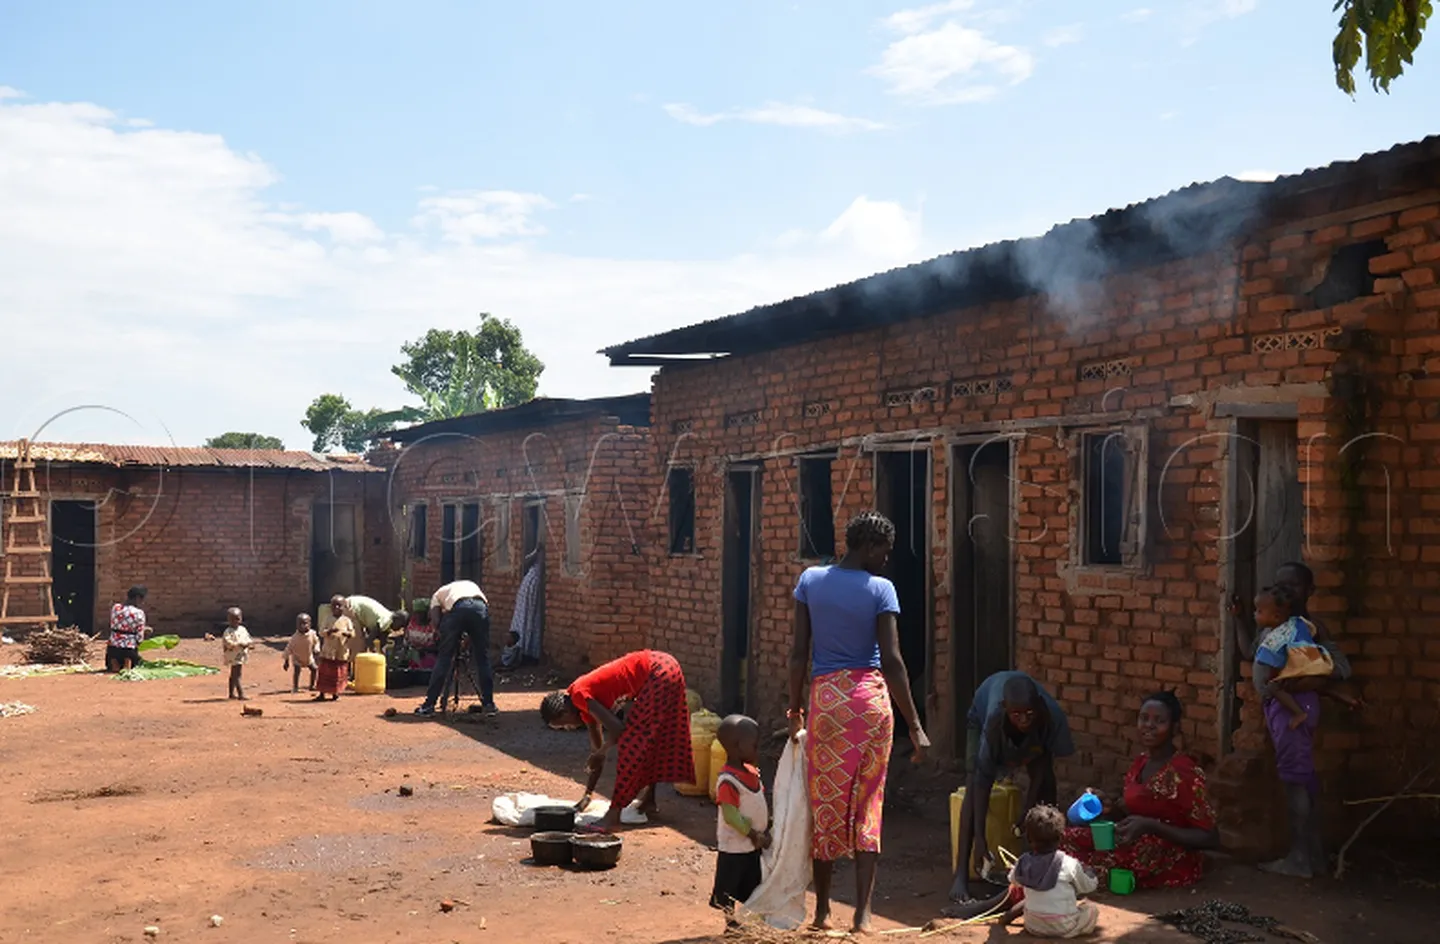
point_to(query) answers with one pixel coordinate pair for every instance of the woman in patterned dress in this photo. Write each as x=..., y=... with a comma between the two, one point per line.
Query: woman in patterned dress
x=1165, y=820
x=847, y=644
x=652, y=741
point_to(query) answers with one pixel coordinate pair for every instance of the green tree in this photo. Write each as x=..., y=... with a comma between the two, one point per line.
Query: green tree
x=244, y=441
x=454, y=373
x=1388, y=31
x=335, y=423
x=459, y=372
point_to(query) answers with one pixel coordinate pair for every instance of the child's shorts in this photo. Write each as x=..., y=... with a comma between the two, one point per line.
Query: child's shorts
x=737, y=875
x=1295, y=747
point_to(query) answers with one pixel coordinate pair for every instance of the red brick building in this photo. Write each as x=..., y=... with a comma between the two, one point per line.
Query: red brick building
x=478, y=496
x=273, y=532
x=1089, y=442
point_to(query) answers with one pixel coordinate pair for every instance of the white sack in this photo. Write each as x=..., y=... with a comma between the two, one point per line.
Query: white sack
x=786, y=866
x=518, y=809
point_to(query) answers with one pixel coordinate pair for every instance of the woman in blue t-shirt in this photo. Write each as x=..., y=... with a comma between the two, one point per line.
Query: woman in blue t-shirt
x=847, y=637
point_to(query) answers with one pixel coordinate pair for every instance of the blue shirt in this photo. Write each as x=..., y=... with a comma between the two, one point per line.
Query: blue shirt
x=844, y=605
x=1000, y=748
x=1273, y=649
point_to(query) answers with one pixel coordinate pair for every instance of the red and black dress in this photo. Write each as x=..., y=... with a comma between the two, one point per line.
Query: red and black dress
x=655, y=746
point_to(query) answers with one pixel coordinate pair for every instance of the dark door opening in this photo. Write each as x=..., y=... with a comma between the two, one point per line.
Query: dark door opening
x=72, y=563
x=334, y=552
x=981, y=597
x=903, y=496
x=1267, y=508
x=447, y=544
x=737, y=575
x=472, y=545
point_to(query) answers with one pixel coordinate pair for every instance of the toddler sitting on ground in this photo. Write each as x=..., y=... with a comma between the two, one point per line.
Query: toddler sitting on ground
x=1052, y=882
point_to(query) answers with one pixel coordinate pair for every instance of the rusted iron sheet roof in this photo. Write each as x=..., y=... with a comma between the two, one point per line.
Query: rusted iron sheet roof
x=1195, y=219
x=187, y=457
x=630, y=410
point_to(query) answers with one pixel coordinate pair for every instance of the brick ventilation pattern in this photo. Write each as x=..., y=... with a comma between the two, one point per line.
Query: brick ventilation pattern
x=818, y=408
x=681, y=427
x=980, y=387
x=914, y=395
x=743, y=418
x=1108, y=370
x=1313, y=340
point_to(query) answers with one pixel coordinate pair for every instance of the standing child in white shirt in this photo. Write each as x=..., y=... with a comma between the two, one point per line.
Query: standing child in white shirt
x=1052, y=881
x=742, y=823
x=235, y=645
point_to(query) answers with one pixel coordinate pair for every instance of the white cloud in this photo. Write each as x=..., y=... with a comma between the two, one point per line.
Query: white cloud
x=1199, y=14
x=1138, y=15
x=483, y=214
x=920, y=18
x=773, y=113
x=345, y=228
x=1256, y=176
x=878, y=229
x=948, y=63
x=164, y=249
x=1063, y=36
x=6, y=92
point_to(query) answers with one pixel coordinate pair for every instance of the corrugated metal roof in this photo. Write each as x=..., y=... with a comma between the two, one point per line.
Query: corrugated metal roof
x=1189, y=221
x=631, y=410
x=187, y=457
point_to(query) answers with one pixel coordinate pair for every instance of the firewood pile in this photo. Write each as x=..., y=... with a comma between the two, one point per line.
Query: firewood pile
x=56, y=646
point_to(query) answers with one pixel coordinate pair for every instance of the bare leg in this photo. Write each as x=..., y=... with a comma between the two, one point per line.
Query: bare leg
x=313, y=674
x=295, y=678
x=1298, y=862
x=239, y=692
x=647, y=801
x=866, y=864
x=824, y=872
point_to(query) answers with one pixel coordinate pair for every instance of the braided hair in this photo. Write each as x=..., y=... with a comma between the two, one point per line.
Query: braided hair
x=869, y=529
x=554, y=705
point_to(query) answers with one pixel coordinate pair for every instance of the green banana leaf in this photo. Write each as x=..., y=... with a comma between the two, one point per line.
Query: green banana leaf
x=164, y=669
x=156, y=642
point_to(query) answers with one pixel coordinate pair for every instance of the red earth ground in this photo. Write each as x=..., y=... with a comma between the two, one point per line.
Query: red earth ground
x=290, y=827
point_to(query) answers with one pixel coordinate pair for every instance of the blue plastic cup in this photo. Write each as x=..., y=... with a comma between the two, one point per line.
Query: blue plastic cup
x=1085, y=809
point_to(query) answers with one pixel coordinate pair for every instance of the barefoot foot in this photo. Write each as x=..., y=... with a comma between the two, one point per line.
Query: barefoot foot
x=1291, y=866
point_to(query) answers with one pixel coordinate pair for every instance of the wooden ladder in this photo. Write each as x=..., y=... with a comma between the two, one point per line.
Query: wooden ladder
x=26, y=548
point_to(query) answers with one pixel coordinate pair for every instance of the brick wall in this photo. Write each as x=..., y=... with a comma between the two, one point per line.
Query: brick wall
x=202, y=541
x=594, y=605
x=1165, y=348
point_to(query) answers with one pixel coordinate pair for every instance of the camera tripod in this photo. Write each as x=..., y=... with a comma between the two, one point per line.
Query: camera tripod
x=460, y=667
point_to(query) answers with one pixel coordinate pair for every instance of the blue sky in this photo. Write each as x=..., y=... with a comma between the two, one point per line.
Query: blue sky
x=216, y=214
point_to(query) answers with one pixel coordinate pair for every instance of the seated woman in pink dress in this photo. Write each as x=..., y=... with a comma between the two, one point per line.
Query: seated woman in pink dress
x=1164, y=817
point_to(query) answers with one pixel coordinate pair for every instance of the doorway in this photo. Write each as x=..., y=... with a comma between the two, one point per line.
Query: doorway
x=902, y=491
x=334, y=552
x=982, y=594
x=737, y=578
x=72, y=563
x=1267, y=528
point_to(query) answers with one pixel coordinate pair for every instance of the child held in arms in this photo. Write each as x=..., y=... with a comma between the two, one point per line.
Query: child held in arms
x=742, y=824
x=1291, y=672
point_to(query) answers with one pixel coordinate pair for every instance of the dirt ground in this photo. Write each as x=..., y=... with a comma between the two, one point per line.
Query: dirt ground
x=291, y=828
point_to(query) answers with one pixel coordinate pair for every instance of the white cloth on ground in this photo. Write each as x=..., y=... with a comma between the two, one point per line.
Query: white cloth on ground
x=786, y=866
x=518, y=809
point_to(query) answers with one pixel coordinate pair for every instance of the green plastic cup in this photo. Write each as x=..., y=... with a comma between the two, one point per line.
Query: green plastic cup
x=1102, y=832
x=1122, y=881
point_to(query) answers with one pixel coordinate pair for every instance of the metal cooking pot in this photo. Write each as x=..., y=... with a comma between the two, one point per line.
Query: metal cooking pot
x=555, y=818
